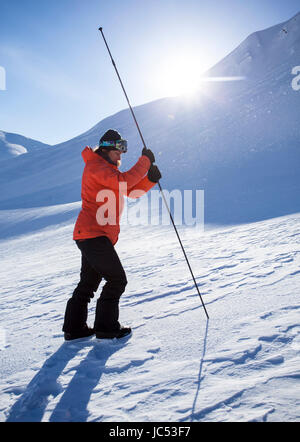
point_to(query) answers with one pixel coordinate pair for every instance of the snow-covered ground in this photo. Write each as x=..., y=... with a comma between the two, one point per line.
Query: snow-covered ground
x=241, y=365
x=237, y=141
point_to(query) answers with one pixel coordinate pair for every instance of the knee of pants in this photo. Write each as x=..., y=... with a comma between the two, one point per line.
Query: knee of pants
x=120, y=284
x=82, y=296
x=124, y=286
x=115, y=287
x=119, y=281
x=123, y=283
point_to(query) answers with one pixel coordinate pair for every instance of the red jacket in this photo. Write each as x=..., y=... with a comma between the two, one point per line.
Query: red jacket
x=102, y=193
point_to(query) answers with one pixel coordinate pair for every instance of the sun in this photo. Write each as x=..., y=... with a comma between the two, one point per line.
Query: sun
x=181, y=75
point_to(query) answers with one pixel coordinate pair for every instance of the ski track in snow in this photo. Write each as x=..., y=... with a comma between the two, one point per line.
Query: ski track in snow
x=241, y=365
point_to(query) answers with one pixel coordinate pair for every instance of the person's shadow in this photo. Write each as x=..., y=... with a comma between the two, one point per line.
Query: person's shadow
x=72, y=406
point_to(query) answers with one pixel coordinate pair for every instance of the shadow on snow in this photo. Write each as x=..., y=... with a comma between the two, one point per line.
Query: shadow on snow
x=72, y=406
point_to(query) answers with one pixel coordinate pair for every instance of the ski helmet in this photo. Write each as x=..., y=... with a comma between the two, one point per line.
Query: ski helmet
x=112, y=140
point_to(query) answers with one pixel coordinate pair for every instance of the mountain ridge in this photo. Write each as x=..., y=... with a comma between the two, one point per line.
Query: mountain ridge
x=236, y=140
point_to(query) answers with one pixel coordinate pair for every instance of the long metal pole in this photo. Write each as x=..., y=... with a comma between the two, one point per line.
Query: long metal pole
x=160, y=188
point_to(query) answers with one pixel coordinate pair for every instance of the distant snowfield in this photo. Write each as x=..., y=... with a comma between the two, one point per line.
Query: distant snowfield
x=241, y=365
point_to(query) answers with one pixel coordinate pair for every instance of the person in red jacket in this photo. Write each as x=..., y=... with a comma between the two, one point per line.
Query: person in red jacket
x=96, y=232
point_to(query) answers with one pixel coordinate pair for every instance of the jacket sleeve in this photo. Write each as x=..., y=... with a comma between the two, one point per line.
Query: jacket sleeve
x=140, y=188
x=111, y=177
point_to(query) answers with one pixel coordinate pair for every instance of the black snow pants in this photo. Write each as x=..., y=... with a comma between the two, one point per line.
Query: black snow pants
x=99, y=260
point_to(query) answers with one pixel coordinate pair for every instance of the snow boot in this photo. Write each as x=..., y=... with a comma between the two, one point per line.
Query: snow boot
x=83, y=333
x=120, y=333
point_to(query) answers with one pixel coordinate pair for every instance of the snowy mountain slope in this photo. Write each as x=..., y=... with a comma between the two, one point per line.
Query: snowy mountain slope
x=12, y=145
x=18, y=222
x=263, y=51
x=239, y=141
x=242, y=365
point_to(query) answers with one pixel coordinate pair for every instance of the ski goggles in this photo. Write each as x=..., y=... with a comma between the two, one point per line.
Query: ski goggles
x=120, y=145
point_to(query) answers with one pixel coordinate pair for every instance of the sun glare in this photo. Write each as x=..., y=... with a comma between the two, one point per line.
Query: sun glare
x=181, y=75
x=184, y=75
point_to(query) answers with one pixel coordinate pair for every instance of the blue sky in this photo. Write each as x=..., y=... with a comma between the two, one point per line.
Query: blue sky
x=60, y=81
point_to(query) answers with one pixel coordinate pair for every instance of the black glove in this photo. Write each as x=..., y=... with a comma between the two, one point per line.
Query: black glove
x=148, y=153
x=154, y=174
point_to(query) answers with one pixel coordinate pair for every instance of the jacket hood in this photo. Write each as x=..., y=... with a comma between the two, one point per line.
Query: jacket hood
x=88, y=154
